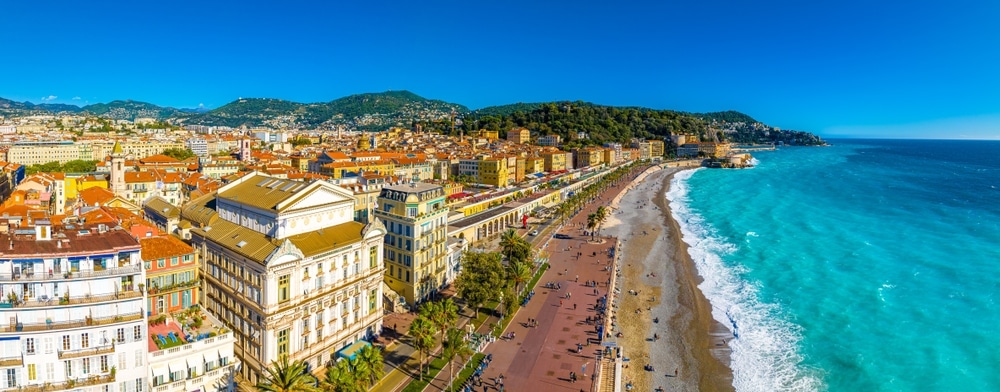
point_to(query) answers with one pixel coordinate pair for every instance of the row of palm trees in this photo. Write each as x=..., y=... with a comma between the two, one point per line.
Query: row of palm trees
x=586, y=195
x=439, y=316
x=357, y=374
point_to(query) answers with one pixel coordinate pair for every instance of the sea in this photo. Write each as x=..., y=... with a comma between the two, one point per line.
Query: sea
x=867, y=265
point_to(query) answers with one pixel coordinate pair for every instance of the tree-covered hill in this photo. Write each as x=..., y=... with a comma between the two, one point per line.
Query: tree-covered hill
x=364, y=111
x=130, y=110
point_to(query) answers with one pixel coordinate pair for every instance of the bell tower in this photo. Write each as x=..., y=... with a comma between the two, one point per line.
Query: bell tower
x=117, y=180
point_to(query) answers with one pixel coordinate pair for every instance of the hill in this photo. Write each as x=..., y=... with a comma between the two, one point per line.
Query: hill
x=130, y=110
x=370, y=111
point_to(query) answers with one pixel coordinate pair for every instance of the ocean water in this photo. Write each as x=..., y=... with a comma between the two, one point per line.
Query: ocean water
x=870, y=265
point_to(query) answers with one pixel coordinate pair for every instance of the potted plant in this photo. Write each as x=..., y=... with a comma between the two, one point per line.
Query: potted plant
x=113, y=372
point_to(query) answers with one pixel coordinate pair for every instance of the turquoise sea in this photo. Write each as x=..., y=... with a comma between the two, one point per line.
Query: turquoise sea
x=870, y=265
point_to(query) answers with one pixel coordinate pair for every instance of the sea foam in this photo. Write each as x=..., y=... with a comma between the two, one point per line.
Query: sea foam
x=765, y=354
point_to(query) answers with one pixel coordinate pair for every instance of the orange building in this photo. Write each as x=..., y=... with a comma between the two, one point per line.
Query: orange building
x=172, y=278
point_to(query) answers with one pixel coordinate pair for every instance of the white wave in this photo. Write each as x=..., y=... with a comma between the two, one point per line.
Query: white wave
x=754, y=161
x=764, y=347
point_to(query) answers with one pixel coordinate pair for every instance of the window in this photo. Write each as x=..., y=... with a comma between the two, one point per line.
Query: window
x=66, y=342
x=372, y=299
x=305, y=273
x=283, y=288
x=121, y=335
x=69, y=368
x=50, y=371
x=11, y=378
x=161, y=263
x=104, y=363
x=121, y=361
x=411, y=211
x=139, y=382
x=407, y=275
x=31, y=372
x=372, y=257
x=86, y=366
x=137, y=333
x=48, y=345
x=139, y=355
x=85, y=340
x=283, y=342
x=173, y=261
x=29, y=345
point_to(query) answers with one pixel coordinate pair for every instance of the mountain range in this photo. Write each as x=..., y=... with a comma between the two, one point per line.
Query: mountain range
x=377, y=111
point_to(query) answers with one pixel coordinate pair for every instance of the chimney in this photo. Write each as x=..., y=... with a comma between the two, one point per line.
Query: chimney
x=43, y=230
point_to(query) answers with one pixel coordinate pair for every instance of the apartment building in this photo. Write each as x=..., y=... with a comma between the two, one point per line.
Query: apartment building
x=416, y=218
x=287, y=269
x=74, y=312
x=519, y=135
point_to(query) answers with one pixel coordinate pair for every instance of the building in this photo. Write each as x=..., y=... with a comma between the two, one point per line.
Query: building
x=587, y=157
x=190, y=350
x=172, y=277
x=287, y=269
x=198, y=146
x=416, y=217
x=519, y=135
x=73, y=315
x=494, y=171
x=198, y=357
x=549, y=141
x=656, y=149
x=553, y=160
x=37, y=153
x=708, y=149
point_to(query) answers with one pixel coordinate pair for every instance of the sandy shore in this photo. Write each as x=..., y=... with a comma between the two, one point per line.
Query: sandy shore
x=657, y=268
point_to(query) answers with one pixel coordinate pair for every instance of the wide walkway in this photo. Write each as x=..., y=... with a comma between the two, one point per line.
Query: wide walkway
x=543, y=355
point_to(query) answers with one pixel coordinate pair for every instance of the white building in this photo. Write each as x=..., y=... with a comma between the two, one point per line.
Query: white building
x=287, y=269
x=72, y=316
x=198, y=146
x=204, y=361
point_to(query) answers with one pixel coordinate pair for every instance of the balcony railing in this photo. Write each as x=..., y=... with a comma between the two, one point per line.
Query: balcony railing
x=77, y=300
x=87, y=352
x=72, y=384
x=79, y=323
x=12, y=361
x=61, y=276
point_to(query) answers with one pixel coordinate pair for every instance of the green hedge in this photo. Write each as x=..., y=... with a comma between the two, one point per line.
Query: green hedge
x=467, y=371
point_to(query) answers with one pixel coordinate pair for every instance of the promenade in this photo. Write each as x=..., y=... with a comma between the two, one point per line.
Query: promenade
x=545, y=354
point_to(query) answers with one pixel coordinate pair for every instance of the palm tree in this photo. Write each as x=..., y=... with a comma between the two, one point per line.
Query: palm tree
x=422, y=331
x=518, y=273
x=342, y=378
x=371, y=357
x=441, y=313
x=602, y=215
x=508, y=240
x=592, y=224
x=285, y=376
x=455, y=345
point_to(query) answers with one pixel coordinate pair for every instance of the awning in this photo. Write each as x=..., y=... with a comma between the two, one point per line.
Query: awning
x=178, y=367
x=158, y=371
x=351, y=351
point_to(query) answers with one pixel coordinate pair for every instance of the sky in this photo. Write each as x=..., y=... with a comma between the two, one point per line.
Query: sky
x=901, y=69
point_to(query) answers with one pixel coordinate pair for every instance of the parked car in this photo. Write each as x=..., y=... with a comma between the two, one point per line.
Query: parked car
x=533, y=232
x=562, y=236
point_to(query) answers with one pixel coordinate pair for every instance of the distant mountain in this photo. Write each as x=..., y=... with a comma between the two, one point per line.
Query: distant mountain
x=362, y=111
x=130, y=110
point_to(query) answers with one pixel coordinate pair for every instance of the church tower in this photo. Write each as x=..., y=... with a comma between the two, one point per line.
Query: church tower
x=117, y=181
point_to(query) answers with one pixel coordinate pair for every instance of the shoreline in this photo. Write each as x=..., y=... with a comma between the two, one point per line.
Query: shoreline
x=690, y=341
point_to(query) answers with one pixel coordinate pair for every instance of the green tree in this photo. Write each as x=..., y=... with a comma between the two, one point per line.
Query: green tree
x=371, y=356
x=592, y=224
x=285, y=376
x=341, y=377
x=482, y=278
x=422, y=332
x=443, y=314
x=513, y=246
x=179, y=154
x=454, y=345
x=518, y=273
x=602, y=215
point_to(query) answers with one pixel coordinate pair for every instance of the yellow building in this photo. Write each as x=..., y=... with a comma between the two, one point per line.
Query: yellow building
x=415, y=216
x=656, y=148
x=587, y=157
x=533, y=165
x=493, y=171
x=553, y=160
x=519, y=135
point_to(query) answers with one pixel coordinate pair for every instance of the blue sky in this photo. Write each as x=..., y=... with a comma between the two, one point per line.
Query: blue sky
x=845, y=68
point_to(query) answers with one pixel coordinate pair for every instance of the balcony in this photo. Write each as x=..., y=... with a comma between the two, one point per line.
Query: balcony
x=87, y=352
x=19, y=327
x=42, y=301
x=12, y=361
x=29, y=276
x=71, y=384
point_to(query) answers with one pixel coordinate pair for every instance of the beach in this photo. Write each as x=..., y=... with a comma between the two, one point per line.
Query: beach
x=658, y=281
